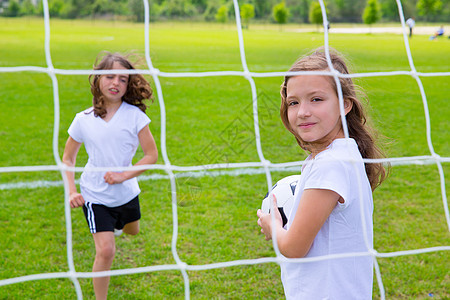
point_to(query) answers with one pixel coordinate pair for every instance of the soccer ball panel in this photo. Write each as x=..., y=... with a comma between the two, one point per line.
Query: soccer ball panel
x=284, y=192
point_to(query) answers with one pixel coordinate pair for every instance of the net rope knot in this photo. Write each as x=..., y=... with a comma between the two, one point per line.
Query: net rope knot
x=155, y=72
x=373, y=252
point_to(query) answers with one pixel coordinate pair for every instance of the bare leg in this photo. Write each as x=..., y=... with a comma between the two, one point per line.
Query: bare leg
x=105, y=248
x=131, y=228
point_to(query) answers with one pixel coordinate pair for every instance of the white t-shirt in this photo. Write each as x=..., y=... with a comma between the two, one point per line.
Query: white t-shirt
x=108, y=144
x=410, y=22
x=342, y=232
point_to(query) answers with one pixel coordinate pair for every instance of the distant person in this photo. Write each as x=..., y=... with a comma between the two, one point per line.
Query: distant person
x=111, y=130
x=411, y=23
x=438, y=33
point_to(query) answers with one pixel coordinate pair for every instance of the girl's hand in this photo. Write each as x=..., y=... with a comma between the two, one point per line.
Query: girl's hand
x=114, y=177
x=76, y=200
x=265, y=220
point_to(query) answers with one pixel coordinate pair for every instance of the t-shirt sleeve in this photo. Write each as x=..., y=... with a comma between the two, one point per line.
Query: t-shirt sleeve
x=330, y=175
x=142, y=120
x=75, y=131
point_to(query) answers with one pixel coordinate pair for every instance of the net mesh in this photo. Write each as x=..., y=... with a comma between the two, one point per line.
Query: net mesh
x=174, y=171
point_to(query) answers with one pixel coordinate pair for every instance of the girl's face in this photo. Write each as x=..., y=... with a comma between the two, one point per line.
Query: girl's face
x=313, y=110
x=114, y=86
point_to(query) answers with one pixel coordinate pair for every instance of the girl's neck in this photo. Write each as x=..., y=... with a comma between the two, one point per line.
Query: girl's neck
x=111, y=109
x=112, y=104
x=319, y=146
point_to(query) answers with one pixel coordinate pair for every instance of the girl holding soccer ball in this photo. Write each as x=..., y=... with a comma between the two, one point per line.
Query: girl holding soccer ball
x=335, y=186
x=111, y=131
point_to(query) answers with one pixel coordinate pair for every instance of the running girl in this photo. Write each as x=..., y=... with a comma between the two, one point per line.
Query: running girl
x=111, y=131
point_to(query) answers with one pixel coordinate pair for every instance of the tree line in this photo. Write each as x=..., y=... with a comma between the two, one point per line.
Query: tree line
x=292, y=11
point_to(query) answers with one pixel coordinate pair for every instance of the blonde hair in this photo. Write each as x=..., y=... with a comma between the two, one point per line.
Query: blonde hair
x=138, y=88
x=356, y=118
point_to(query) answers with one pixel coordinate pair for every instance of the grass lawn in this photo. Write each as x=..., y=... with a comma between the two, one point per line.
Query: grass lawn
x=209, y=121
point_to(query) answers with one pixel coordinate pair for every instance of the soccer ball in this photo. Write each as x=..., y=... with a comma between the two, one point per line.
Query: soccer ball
x=284, y=192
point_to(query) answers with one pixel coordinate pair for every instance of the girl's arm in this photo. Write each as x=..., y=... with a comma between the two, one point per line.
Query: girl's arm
x=70, y=158
x=315, y=207
x=148, y=145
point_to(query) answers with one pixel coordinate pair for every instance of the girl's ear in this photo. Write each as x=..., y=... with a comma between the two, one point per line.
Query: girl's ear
x=347, y=106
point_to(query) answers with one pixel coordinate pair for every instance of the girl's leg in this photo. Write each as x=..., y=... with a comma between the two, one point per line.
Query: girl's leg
x=131, y=228
x=105, y=249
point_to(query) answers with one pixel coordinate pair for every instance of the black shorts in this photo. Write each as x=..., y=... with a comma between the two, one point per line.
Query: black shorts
x=103, y=218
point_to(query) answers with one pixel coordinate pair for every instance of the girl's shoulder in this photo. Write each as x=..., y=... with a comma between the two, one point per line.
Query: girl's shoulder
x=88, y=112
x=343, y=150
x=131, y=108
x=131, y=113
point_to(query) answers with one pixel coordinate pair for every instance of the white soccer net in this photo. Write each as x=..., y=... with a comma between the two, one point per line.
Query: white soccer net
x=266, y=166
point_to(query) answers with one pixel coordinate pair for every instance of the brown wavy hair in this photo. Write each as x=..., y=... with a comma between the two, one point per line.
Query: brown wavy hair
x=356, y=118
x=138, y=88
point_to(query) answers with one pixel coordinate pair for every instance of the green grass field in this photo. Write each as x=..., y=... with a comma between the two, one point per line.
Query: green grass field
x=209, y=121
